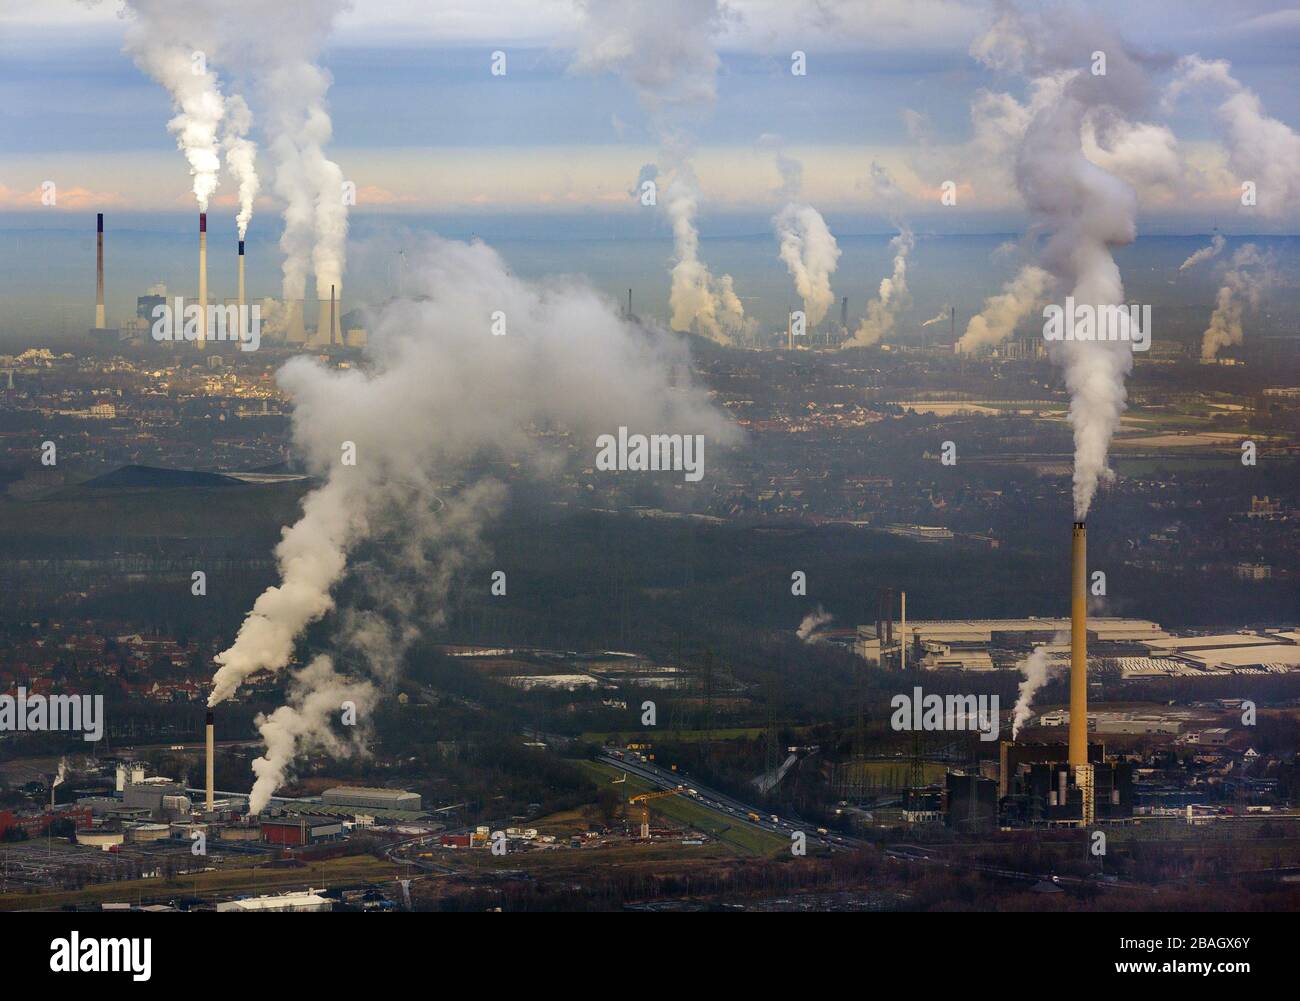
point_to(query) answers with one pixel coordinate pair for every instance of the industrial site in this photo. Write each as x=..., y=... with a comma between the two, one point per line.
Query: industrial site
x=603, y=456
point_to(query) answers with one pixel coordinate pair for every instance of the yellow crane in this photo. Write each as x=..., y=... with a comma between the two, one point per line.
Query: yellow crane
x=644, y=799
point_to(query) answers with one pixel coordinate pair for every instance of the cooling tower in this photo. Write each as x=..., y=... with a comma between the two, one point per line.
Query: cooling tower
x=241, y=274
x=294, y=331
x=327, y=328
x=208, y=780
x=100, y=323
x=1078, y=646
x=203, y=280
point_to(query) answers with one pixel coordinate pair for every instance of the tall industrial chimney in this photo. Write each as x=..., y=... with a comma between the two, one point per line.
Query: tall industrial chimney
x=789, y=330
x=241, y=274
x=326, y=322
x=208, y=779
x=1078, y=646
x=100, y=323
x=203, y=279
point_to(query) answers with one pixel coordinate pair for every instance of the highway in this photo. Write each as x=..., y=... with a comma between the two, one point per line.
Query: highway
x=730, y=807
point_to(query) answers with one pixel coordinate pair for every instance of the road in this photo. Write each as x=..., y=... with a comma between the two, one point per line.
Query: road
x=730, y=807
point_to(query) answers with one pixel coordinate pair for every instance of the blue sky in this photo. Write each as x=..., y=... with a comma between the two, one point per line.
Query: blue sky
x=421, y=125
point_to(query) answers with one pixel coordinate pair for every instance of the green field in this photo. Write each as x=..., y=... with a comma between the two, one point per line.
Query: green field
x=743, y=838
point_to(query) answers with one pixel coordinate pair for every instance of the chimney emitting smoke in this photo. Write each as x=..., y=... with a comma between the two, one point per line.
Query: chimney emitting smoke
x=209, y=790
x=1078, y=646
x=241, y=273
x=203, y=279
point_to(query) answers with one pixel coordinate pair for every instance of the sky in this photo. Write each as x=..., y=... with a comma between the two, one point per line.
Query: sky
x=421, y=125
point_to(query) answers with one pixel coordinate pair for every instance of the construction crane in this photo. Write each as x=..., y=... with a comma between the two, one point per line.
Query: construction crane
x=644, y=799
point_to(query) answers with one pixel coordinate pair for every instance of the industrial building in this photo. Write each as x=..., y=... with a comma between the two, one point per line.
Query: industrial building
x=309, y=901
x=367, y=797
x=300, y=829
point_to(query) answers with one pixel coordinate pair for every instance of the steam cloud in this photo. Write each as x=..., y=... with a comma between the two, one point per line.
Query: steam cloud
x=893, y=297
x=402, y=523
x=808, y=249
x=165, y=42
x=1242, y=285
x=1082, y=209
x=1035, y=668
x=939, y=317
x=241, y=158
x=1214, y=249
x=811, y=627
x=284, y=44
x=997, y=321
x=666, y=52
x=1261, y=149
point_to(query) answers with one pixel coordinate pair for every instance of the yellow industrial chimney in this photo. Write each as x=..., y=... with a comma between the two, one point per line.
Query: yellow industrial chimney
x=203, y=280
x=1079, y=646
x=208, y=779
x=100, y=322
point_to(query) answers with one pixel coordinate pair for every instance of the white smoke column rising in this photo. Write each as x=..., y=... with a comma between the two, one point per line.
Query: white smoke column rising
x=666, y=52
x=1083, y=209
x=810, y=628
x=1214, y=249
x=1021, y=297
x=811, y=255
x=1035, y=669
x=278, y=47
x=438, y=392
x=807, y=246
x=1242, y=285
x=1261, y=149
x=939, y=317
x=316, y=698
x=892, y=298
x=173, y=49
x=241, y=158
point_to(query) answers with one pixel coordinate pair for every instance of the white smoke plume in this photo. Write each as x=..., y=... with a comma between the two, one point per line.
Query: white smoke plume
x=241, y=158
x=892, y=298
x=807, y=246
x=1243, y=282
x=281, y=51
x=1081, y=208
x=1261, y=149
x=173, y=47
x=811, y=255
x=306, y=724
x=666, y=52
x=1035, y=668
x=1021, y=298
x=939, y=317
x=810, y=628
x=1214, y=249
x=440, y=391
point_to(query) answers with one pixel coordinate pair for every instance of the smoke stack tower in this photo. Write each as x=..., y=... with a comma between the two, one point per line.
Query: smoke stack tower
x=210, y=799
x=100, y=323
x=241, y=274
x=1078, y=647
x=789, y=330
x=327, y=322
x=203, y=279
